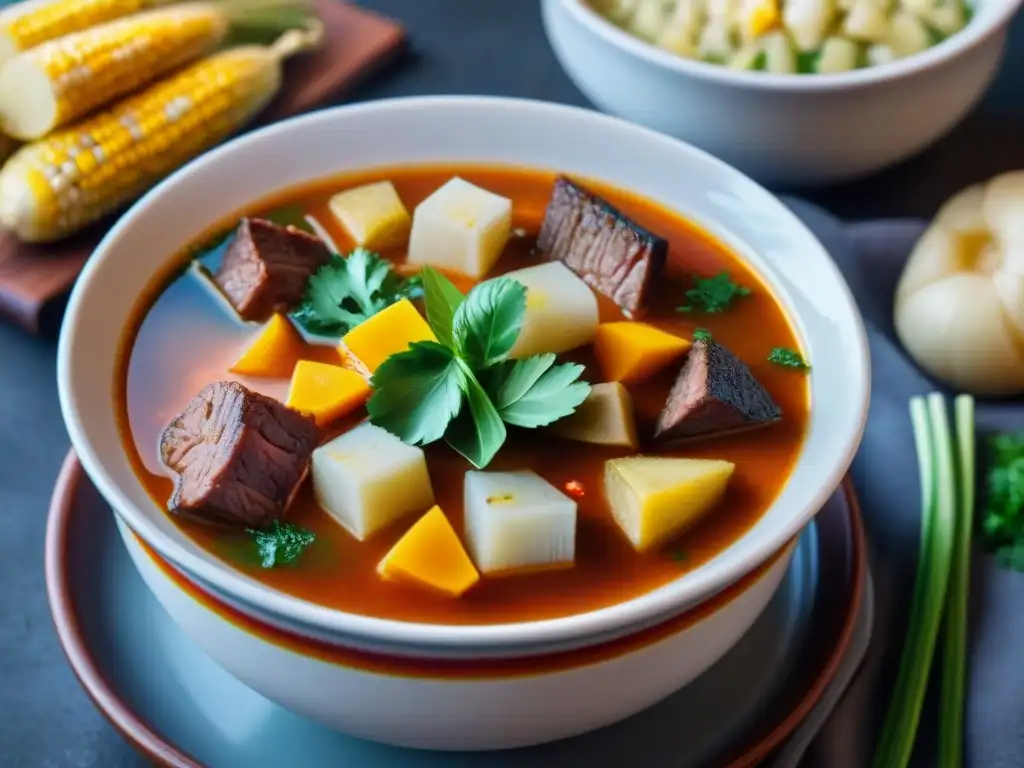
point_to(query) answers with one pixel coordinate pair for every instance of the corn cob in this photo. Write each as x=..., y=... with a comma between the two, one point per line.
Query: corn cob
x=54, y=187
x=26, y=24
x=61, y=80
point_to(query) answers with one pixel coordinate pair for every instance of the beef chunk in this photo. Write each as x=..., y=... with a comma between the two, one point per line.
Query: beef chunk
x=266, y=267
x=611, y=253
x=714, y=394
x=239, y=456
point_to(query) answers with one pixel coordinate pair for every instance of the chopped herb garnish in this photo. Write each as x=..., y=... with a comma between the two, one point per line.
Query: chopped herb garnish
x=349, y=290
x=280, y=543
x=1002, y=518
x=701, y=334
x=290, y=216
x=713, y=294
x=462, y=388
x=788, y=358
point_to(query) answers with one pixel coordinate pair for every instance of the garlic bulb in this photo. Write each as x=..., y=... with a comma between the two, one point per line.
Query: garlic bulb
x=960, y=301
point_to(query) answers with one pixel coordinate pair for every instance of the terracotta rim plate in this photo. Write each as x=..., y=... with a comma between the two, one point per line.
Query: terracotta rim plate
x=834, y=617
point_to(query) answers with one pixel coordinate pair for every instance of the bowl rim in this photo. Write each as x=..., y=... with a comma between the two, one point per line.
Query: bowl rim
x=977, y=31
x=579, y=628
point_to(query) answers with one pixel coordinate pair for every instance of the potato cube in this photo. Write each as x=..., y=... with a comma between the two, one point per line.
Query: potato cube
x=326, y=392
x=630, y=352
x=517, y=521
x=654, y=499
x=604, y=418
x=430, y=555
x=368, y=478
x=373, y=215
x=561, y=310
x=390, y=331
x=273, y=353
x=460, y=227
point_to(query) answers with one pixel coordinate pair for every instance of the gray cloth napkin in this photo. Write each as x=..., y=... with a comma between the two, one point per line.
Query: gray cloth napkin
x=871, y=256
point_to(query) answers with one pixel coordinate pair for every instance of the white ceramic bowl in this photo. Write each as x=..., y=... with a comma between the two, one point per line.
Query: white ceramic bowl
x=463, y=707
x=440, y=129
x=784, y=129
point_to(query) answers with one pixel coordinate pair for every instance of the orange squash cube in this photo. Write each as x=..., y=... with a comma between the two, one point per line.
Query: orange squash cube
x=390, y=331
x=274, y=352
x=326, y=392
x=430, y=555
x=630, y=352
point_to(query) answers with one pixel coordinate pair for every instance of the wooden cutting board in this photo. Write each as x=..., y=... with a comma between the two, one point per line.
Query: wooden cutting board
x=34, y=279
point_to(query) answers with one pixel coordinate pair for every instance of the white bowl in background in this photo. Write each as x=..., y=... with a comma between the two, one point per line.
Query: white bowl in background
x=481, y=130
x=784, y=129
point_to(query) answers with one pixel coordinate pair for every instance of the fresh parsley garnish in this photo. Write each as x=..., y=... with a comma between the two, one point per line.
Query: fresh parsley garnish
x=701, y=334
x=713, y=294
x=787, y=358
x=1002, y=519
x=462, y=388
x=348, y=290
x=280, y=543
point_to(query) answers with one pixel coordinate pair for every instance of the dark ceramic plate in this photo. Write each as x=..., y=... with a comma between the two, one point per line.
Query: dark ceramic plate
x=180, y=709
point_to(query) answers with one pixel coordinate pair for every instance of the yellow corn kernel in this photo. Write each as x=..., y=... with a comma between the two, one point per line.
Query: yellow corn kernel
x=61, y=80
x=26, y=24
x=53, y=187
x=764, y=17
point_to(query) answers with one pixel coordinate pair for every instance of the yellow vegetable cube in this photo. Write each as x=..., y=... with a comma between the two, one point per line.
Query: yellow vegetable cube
x=388, y=332
x=431, y=555
x=274, y=352
x=604, y=418
x=326, y=392
x=373, y=215
x=630, y=352
x=654, y=499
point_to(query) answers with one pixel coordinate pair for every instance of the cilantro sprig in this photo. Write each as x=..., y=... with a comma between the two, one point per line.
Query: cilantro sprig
x=280, y=543
x=788, y=358
x=713, y=294
x=1002, y=519
x=348, y=290
x=462, y=388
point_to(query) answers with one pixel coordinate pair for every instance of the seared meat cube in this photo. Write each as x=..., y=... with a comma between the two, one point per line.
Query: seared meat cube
x=266, y=267
x=238, y=456
x=611, y=253
x=714, y=394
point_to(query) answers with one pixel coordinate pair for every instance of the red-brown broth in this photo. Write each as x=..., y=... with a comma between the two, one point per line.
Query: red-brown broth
x=340, y=572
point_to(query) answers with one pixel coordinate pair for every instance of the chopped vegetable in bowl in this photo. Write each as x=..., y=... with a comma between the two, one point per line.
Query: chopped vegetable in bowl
x=790, y=36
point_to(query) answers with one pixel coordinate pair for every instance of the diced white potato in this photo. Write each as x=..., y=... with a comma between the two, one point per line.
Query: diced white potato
x=650, y=18
x=879, y=54
x=688, y=15
x=716, y=40
x=947, y=18
x=367, y=478
x=808, y=21
x=746, y=57
x=373, y=215
x=866, y=22
x=561, y=310
x=921, y=8
x=907, y=35
x=838, y=55
x=729, y=11
x=461, y=227
x=780, y=57
x=654, y=499
x=517, y=521
x=605, y=418
x=678, y=40
x=621, y=11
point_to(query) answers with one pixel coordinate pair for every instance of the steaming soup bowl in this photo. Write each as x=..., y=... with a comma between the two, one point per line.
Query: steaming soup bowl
x=464, y=686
